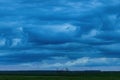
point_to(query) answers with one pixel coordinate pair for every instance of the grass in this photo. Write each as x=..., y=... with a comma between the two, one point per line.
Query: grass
x=59, y=78
x=78, y=76
x=55, y=78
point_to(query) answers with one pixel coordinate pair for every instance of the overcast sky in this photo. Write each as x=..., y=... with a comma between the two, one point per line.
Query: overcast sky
x=58, y=34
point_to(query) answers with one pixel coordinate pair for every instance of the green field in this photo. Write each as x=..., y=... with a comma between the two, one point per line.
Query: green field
x=53, y=75
x=85, y=77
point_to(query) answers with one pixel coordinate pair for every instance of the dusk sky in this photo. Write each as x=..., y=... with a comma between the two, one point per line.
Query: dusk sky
x=59, y=34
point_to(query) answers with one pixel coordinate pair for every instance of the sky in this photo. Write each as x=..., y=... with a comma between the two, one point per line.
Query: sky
x=60, y=34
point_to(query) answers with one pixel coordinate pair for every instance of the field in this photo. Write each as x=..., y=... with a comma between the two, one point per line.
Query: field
x=63, y=76
x=58, y=78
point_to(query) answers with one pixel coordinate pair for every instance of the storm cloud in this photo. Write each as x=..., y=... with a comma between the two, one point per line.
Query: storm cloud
x=77, y=33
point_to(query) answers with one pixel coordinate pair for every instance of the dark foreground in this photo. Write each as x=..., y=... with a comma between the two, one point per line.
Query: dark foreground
x=59, y=75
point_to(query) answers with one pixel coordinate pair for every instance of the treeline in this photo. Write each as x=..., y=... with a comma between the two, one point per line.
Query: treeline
x=60, y=73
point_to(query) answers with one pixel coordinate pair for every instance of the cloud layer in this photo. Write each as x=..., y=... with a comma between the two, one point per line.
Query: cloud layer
x=55, y=34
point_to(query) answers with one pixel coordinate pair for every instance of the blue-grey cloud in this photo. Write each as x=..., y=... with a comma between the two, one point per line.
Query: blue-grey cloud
x=54, y=32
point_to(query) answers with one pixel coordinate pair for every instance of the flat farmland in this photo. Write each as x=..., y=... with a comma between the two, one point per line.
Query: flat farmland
x=60, y=76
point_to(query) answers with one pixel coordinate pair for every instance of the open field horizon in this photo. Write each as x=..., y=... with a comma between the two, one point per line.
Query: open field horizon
x=52, y=39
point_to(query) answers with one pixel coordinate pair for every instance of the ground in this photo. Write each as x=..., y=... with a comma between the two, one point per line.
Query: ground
x=87, y=76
